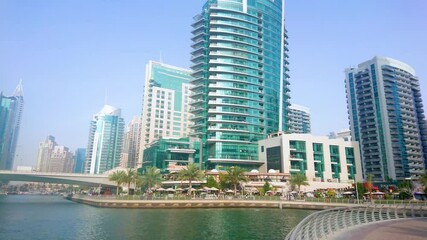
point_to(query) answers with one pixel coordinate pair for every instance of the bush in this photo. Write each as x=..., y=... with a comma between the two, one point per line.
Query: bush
x=405, y=195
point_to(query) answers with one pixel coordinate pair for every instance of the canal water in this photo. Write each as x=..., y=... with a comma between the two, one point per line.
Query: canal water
x=52, y=217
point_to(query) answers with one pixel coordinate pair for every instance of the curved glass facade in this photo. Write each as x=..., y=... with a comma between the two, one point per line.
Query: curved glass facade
x=240, y=91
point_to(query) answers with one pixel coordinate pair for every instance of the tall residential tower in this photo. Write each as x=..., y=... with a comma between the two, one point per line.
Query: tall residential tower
x=54, y=158
x=386, y=117
x=240, y=93
x=130, y=152
x=10, y=122
x=299, y=119
x=105, y=140
x=165, y=111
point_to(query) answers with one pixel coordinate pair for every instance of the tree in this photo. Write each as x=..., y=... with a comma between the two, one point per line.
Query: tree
x=266, y=187
x=423, y=181
x=151, y=177
x=191, y=173
x=361, y=190
x=299, y=180
x=129, y=177
x=118, y=177
x=223, y=184
x=234, y=176
x=369, y=186
x=211, y=182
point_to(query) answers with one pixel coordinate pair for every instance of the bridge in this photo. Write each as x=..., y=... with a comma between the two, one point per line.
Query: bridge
x=93, y=180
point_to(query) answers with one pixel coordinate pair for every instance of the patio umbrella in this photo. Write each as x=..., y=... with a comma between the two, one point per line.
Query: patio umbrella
x=160, y=189
x=348, y=193
x=170, y=190
x=179, y=189
x=214, y=189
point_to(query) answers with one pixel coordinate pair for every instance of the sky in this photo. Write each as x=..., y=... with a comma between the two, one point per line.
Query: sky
x=73, y=56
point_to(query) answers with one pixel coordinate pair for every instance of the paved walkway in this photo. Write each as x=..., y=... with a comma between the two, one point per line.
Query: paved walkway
x=405, y=229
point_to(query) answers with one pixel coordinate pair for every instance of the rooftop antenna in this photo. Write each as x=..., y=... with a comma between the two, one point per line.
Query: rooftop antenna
x=19, y=90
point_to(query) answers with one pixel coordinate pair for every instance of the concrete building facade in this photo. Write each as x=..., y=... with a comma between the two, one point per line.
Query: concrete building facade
x=165, y=111
x=321, y=159
x=54, y=158
x=299, y=119
x=387, y=118
x=130, y=153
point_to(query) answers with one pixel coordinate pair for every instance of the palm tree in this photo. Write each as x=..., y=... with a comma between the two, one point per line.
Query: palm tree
x=118, y=177
x=299, y=180
x=369, y=186
x=234, y=176
x=151, y=177
x=129, y=177
x=192, y=172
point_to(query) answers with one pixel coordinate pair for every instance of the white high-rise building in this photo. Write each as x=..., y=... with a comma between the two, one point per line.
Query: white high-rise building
x=299, y=119
x=54, y=158
x=105, y=140
x=61, y=160
x=165, y=111
x=44, y=153
x=129, y=156
x=387, y=118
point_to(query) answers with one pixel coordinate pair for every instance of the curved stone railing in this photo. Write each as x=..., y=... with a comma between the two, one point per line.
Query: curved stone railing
x=320, y=225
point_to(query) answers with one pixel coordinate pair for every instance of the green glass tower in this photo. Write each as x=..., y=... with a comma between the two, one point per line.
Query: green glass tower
x=241, y=88
x=10, y=122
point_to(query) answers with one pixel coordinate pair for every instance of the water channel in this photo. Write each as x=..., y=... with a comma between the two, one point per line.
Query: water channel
x=52, y=217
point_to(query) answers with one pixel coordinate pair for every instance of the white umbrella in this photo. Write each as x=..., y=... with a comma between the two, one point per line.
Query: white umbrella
x=214, y=189
x=160, y=189
x=170, y=190
x=229, y=191
x=179, y=189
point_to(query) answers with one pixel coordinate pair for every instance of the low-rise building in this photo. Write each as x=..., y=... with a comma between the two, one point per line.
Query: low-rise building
x=171, y=154
x=321, y=159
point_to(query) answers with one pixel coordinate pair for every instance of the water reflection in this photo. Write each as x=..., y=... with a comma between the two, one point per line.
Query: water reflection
x=41, y=217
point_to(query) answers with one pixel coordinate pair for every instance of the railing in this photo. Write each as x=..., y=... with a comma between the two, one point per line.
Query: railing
x=338, y=201
x=322, y=224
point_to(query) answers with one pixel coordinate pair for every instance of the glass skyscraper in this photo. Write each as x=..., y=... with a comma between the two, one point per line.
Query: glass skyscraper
x=79, y=160
x=240, y=70
x=387, y=118
x=165, y=112
x=10, y=122
x=105, y=140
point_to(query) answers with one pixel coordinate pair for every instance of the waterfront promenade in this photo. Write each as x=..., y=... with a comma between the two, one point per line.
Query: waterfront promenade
x=204, y=203
x=413, y=229
x=123, y=202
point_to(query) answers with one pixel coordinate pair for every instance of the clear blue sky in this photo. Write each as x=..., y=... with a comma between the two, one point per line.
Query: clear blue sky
x=69, y=53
